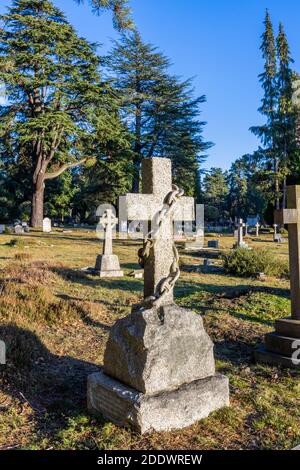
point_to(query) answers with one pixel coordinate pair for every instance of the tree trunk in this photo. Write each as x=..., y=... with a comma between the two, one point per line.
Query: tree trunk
x=136, y=175
x=277, y=189
x=284, y=193
x=137, y=144
x=37, y=206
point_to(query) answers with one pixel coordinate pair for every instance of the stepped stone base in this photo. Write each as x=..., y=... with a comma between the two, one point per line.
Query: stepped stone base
x=267, y=357
x=281, y=345
x=108, y=266
x=288, y=327
x=164, y=411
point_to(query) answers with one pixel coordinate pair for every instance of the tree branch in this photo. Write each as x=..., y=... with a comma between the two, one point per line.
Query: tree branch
x=64, y=167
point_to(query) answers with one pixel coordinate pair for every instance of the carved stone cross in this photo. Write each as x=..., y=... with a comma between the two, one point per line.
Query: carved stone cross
x=157, y=185
x=257, y=229
x=240, y=227
x=291, y=216
x=108, y=221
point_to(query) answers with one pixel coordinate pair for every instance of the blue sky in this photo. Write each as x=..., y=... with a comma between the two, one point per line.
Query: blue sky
x=215, y=41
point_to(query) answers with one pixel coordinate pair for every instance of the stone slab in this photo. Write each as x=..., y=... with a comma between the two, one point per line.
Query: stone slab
x=166, y=411
x=193, y=246
x=288, y=327
x=109, y=273
x=137, y=273
x=154, y=350
x=267, y=357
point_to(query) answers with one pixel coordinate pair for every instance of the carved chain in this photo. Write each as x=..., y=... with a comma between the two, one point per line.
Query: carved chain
x=169, y=282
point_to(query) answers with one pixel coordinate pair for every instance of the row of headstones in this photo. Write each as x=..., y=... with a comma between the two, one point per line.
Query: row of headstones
x=108, y=265
x=239, y=234
x=19, y=227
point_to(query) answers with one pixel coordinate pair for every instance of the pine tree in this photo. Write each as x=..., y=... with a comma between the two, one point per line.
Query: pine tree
x=56, y=101
x=177, y=132
x=267, y=132
x=138, y=70
x=121, y=12
x=158, y=109
x=285, y=123
x=249, y=191
x=215, y=192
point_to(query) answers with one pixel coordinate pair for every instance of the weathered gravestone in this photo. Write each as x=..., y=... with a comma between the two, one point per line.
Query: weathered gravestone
x=198, y=243
x=240, y=241
x=213, y=243
x=46, y=225
x=2, y=228
x=25, y=227
x=18, y=229
x=107, y=264
x=159, y=367
x=280, y=345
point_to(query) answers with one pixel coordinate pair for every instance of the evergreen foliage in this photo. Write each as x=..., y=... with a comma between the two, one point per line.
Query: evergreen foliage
x=159, y=110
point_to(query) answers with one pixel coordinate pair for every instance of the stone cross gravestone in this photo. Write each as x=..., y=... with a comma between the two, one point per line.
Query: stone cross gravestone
x=257, y=226
x=46, y=225
x=159, y=367
x=240, y=240
x=277, y=237
x=157, y=186
x=107, y=264
x=280, y=345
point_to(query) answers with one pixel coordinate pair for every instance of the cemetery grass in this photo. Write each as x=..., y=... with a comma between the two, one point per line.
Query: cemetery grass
x=56, y=318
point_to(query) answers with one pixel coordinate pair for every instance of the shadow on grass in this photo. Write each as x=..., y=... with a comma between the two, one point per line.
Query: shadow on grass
x=237, y=352
x=204, y=253
x=202, y=269
x=132, y=266
x=83, y=315
x=229, y=292
x=53, y=386
x=87, y=279
x=92, y=240
x=214, y=293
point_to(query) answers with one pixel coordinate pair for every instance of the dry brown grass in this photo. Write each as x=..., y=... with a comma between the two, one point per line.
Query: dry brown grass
x=55, y=318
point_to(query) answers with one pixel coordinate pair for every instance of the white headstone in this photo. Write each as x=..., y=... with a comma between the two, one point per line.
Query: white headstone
x=19, y=229
x=47, y=225
x=2, y=228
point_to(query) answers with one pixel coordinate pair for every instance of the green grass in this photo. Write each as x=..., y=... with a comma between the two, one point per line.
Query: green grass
x=56, y=319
